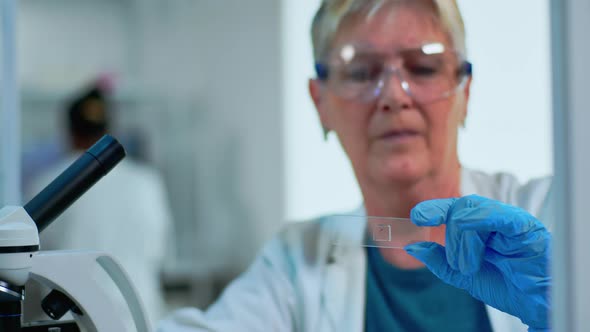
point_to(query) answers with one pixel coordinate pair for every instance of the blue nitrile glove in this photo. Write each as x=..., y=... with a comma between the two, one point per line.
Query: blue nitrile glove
x=497, y=252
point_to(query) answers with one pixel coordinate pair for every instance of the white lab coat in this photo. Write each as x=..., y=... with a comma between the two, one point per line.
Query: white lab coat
x=301, y=282
x=125, y=214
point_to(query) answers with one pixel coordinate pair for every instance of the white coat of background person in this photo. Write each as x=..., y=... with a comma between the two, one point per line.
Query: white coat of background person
x=393, y=84
x=125, y=214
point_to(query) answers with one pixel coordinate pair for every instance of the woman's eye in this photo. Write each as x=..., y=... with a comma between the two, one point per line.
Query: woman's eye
x=361, y=73
x=422, y=71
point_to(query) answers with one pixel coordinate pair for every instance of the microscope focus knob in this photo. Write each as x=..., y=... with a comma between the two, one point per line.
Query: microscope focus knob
x=56, y=304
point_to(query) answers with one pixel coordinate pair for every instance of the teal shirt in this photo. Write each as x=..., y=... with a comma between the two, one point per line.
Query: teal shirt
x=416, y=300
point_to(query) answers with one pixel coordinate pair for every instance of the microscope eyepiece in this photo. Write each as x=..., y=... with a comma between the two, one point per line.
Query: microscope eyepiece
x=75, y=181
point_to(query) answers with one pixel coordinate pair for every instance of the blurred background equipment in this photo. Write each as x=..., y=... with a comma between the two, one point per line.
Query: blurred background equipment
x=126, y=214
x=198, y=83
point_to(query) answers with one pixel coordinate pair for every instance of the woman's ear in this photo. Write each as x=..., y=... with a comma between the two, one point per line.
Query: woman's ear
x=467, y=88
x=466, y=93
x=316, y=91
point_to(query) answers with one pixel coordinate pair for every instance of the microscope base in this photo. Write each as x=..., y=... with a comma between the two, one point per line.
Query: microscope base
x=52, y=327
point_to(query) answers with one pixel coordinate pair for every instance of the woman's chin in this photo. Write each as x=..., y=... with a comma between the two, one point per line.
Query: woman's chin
x=401, y=170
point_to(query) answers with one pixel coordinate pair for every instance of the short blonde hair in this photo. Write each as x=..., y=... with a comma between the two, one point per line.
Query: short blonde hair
x=332, y=12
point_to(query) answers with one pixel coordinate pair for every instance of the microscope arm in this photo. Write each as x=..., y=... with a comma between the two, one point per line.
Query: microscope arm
x=53, y=269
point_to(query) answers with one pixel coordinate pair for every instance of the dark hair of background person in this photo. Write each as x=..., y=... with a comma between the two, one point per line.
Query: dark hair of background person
x=88, y=117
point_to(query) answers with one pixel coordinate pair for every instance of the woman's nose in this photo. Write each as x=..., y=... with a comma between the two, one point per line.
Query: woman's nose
x=393, y=94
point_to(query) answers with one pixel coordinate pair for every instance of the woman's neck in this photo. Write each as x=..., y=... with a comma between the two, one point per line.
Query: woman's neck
x=397, y=200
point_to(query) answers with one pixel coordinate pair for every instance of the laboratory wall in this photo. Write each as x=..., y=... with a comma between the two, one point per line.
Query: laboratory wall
x=508, y=127
x=197, y=83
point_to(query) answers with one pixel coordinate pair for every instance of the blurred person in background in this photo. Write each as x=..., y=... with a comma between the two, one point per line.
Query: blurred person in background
x=125, y=214
x=393, y=83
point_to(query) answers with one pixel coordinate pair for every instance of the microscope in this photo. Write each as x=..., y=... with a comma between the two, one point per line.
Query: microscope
x=69, y=275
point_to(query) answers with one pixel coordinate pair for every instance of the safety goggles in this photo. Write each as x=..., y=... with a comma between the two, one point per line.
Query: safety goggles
x=427, y=73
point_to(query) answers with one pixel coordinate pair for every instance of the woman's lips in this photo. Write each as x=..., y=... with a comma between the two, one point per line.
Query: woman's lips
x=399, y=136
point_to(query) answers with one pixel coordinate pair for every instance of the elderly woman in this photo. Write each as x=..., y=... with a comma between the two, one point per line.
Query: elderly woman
x=393, y=84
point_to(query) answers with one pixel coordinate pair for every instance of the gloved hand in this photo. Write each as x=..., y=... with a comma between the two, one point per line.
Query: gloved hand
x=497, y=252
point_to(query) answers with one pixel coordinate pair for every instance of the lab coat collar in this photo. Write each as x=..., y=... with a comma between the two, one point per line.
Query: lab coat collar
x=342, y=298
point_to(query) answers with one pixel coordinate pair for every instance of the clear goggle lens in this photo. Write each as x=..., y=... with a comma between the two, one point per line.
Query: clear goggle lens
x=427, y=74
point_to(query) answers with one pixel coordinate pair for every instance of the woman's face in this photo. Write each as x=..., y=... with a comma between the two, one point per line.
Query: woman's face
x=393, y=139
